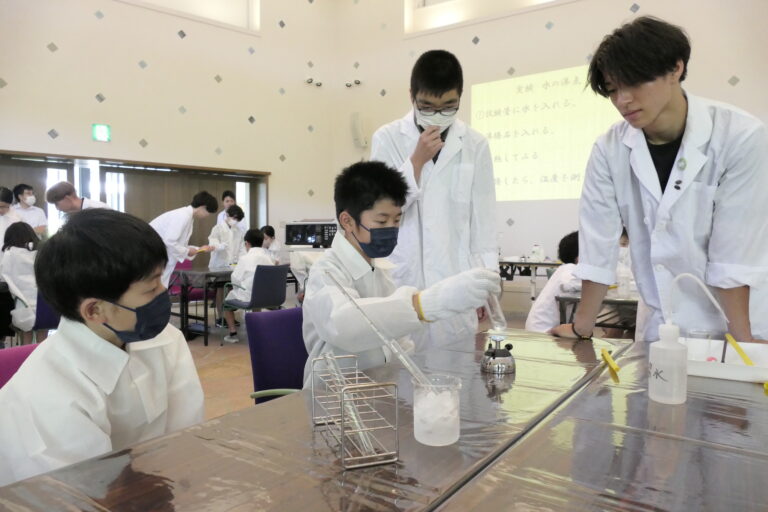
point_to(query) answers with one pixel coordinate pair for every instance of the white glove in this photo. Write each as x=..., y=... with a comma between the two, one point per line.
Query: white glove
x=457, y=294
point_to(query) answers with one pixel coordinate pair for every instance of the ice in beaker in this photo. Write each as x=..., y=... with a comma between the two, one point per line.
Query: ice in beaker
x=436, y=410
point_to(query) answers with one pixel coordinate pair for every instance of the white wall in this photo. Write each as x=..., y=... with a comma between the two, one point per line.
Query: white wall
x=56, y=90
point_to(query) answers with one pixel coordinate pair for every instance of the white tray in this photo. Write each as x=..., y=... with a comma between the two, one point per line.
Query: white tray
x=733, y=368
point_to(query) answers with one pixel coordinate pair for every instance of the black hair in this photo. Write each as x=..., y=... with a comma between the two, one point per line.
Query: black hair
x=254, y=237
x=205, y=199
x=568, y=249
x=6, y=196
x=268, y=230
x=638, y=52
x=20, y=189
x=435, y=73
x=20, y=234
x=236, y=212
x=98, y=254
x=226, y=194
x=360, y=185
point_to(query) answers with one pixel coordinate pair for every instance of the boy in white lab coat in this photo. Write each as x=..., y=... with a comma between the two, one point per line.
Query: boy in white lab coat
x=545, y=313
x=175, y=228
x=687, y=177
x=115, y=372
x=369, y=197
x=449, y=211
x=64, y=197
x=272, y=244
x=25, y=207
x=242, y=278
x=226, y=242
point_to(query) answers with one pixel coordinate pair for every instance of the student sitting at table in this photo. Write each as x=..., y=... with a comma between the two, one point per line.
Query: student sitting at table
x=545, y=313
x=369, y=197
x=242, y=278
x=115, y=372
x=18, y=270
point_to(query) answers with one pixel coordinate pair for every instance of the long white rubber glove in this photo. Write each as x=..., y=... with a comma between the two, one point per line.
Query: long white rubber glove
x=459, y=293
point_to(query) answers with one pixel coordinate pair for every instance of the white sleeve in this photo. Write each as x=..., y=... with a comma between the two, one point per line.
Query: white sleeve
x=185, y=393
x=599, y=222
x=215, y=240
x=384, y=149
x=482, y=241
x=340, y=324
x=738, y=246
x=174, y=234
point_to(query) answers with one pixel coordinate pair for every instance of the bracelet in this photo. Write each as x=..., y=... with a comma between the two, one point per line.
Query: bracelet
x=419, y=311
x=579, y=336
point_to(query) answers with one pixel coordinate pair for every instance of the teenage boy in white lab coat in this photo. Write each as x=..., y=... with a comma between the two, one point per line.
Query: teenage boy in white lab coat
x=687, y=177
x=25, y=207
x=369, y=197
x=175, y=228
x=449, y=212
x=115, y=372
x=545, y=313
x=272, y=244
x=242, y=278
x=64, y=197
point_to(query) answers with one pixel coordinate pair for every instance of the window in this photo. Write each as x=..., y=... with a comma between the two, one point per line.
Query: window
x=114, y=189
x=241, y=15
x=87, y=181
x=55, y=217
x=243, y=195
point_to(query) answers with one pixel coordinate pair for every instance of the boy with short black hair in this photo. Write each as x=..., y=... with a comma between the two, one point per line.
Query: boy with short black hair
x=242, y=279
x=687, y=177
x=271, y=243
x=24, y=195
x=369, y=197
x=449, y=212
x=115, y=372
x=545, y=313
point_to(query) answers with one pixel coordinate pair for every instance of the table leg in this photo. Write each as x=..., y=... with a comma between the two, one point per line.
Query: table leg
x=184, y=310
x=205, y=312
x=533, y=283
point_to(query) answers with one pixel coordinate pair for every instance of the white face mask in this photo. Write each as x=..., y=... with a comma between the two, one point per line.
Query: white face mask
x=435, y=120
x=30, y=200
x=231, y=222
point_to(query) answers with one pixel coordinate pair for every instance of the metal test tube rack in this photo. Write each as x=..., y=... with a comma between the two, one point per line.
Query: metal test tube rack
x=352, y=438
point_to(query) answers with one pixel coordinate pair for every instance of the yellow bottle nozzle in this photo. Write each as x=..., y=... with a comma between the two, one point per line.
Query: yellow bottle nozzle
x=735, y=344
x=609, y=360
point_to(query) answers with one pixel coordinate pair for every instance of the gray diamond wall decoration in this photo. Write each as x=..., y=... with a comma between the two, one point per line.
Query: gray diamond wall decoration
x=356, y=65
x=251, y=119
x=143, y=143
x=53, y=133
x=310, y=128
x=475, y=40
x=734, y=80
x=3, y=83
x=100, y=97
x=549, y=25
x=383, y=92
x=182, y=109
x=310, y=192
x=510, y=222
x=251, y=50
x=282, y=24
x=634, y=8
x=143, y=64
x=282, y=158
x=281, y=91
x=511, y=71
x=181, y=34
x=99, y=14
x=218, y=78
x=52, y=47
x=218, y=151
x=310, y=64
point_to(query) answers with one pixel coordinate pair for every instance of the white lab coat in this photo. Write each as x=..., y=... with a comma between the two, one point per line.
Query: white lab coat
x=715, y=226
x=32, y=215
x=227, y=243
x=332, y=323
x=78, y=396
x=242, y=276
x=18, y=270
x=275, y=250
x=545, y=313
x=447, y=218
x=175, y=228
x=93, y=203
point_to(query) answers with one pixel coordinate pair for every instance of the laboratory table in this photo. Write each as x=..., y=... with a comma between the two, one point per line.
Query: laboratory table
x=268, y=457
x=208, y=279
x=508, y=267
x=616, y=313
x=612, y=449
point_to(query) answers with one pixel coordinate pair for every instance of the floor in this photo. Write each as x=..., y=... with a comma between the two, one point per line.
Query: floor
x=225, y=371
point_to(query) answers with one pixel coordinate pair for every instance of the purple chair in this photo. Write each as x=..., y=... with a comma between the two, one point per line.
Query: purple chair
x=277, y=350
x=11, y=360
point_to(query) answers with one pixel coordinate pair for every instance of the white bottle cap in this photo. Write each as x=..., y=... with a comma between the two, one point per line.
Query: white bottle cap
x=669, y=332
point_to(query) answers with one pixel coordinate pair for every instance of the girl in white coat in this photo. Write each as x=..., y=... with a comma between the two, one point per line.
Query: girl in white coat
x=18, y=270
x=687, y=177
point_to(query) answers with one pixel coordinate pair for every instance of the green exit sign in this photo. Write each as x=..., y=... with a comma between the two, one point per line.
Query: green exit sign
x=101, y=132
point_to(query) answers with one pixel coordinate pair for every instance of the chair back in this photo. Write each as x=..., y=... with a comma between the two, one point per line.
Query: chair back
x=277, y=349
x=269, y=283
x=45, y=316
x=11, y=360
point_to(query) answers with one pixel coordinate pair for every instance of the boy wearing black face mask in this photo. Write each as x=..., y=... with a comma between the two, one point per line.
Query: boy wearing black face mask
x=369, y=197
x=115, y=372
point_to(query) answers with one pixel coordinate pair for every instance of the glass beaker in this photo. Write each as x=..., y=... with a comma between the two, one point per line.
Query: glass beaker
x=699, y=343
x=436, y=410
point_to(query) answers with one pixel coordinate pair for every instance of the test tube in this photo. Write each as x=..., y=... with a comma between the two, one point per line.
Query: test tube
x=492, y=304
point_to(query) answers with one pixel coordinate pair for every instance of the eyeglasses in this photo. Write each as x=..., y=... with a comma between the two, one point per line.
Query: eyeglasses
x=429, y=111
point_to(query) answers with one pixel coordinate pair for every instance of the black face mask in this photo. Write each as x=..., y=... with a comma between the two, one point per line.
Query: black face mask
x=151, y=319
x=383, y=242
